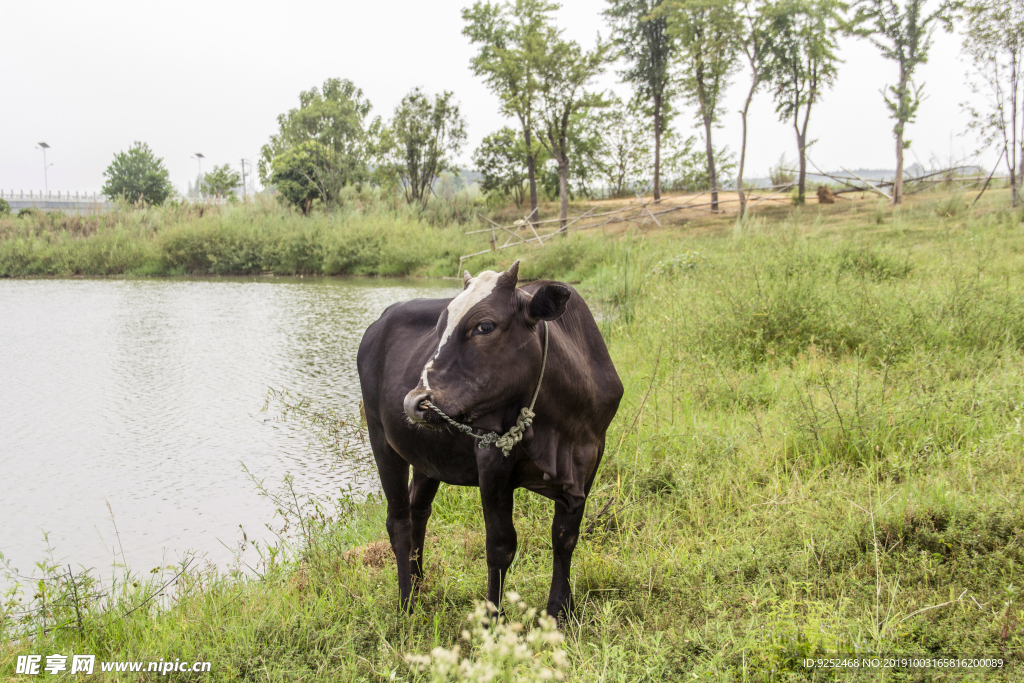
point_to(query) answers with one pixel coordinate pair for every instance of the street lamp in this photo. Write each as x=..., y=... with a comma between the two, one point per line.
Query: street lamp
x=199, y=157
x=46, y=183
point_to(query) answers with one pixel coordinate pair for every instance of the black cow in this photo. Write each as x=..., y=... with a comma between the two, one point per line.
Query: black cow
x=477, y=358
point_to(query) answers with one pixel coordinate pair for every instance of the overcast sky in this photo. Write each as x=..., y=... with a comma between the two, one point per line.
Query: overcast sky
x=209, y=76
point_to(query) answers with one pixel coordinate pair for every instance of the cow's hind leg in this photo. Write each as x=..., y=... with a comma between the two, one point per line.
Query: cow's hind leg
x=565, y=531
x=421, y=498
x=394, y=479
x=496, y=496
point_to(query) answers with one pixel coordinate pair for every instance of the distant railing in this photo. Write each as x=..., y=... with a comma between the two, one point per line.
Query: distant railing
x=78, y=202
x=52, y=196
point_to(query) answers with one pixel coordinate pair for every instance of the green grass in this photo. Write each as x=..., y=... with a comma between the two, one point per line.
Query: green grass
x=820, y=450
x=251, y=239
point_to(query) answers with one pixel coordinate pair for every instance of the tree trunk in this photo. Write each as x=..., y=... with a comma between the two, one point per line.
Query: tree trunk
x=743, y=146
x=657, y=147
x=1014, y=180
x=901, y=108
x=897, y=182
x=1018, y=143
x=563, y=192
x=712, y=176
x=1015, y=186
x=801, y=147
x=802, y=178
x=1015, y=198
x=531, y=163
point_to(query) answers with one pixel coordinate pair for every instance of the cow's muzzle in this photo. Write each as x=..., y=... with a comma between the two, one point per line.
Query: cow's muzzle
x=414, y=407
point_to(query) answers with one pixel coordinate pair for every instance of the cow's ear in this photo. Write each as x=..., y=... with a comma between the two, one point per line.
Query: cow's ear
x=548, y=302
x=466, y=277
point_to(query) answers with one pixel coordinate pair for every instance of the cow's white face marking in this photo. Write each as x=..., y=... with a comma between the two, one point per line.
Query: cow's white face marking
x=479, y=289
x=423, y=377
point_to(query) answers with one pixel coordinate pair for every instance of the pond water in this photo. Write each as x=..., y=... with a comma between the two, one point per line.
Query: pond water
x=145, y=395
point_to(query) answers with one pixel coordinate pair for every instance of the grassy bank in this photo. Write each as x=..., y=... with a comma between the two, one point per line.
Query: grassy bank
x=820, y=450
x=248, y=239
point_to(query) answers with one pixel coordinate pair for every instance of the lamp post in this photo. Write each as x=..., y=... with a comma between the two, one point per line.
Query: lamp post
x=46, y=183
x=199, y=189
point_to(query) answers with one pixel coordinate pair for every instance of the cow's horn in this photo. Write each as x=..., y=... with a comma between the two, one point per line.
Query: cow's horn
x=466, y=277
x=513, y=273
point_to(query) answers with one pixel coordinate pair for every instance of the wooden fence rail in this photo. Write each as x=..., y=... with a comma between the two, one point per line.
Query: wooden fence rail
x=638, y=210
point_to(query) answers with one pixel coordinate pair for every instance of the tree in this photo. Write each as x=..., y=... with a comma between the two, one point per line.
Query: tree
x=301, y=175
x=801, y=41
x=898, y=29
x=625, y=157
x=222, y=180
x=642, y=37
x=708, y=33
x=513, y=38
x=564, y=72
x=424, y=138
x=333, y=118
x=994, y=42
x=138, y=175
x=752, y=43
x=502, y=160
x=686, y=167
x=585, y=144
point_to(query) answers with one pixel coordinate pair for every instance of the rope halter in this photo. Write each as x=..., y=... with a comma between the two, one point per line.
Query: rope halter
x=514, y=435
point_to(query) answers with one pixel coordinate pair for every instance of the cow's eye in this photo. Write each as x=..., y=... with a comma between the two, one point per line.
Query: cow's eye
x=484, y=328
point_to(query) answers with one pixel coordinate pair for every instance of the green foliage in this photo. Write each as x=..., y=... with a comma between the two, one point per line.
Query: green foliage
x=801, y=40
x=541, y=80
x=687, y=169
x=903, y=33
x=625, y=157
x=642, y=36
x=222, y=180
x=5, y=208
x=709, y=38
x=512, y=39
x=422, y=141
x=780, y=174
x=502, y=160
x=752, y=42
x=586, y=144
x=564, y=72
x=302, y=175
x=324, y=141
x=708, y=32
x=137, y=175
x=994, y=42
x=250, y=239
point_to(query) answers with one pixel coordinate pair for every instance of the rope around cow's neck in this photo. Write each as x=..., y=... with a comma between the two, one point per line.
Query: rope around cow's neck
x=513, y=436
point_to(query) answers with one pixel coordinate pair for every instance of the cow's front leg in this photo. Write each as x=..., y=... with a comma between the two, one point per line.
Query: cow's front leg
x=421, y=498
x=496, y=495
x=394, y=479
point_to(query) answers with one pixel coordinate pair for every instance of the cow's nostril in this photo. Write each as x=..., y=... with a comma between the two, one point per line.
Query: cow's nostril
x=414, y=405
